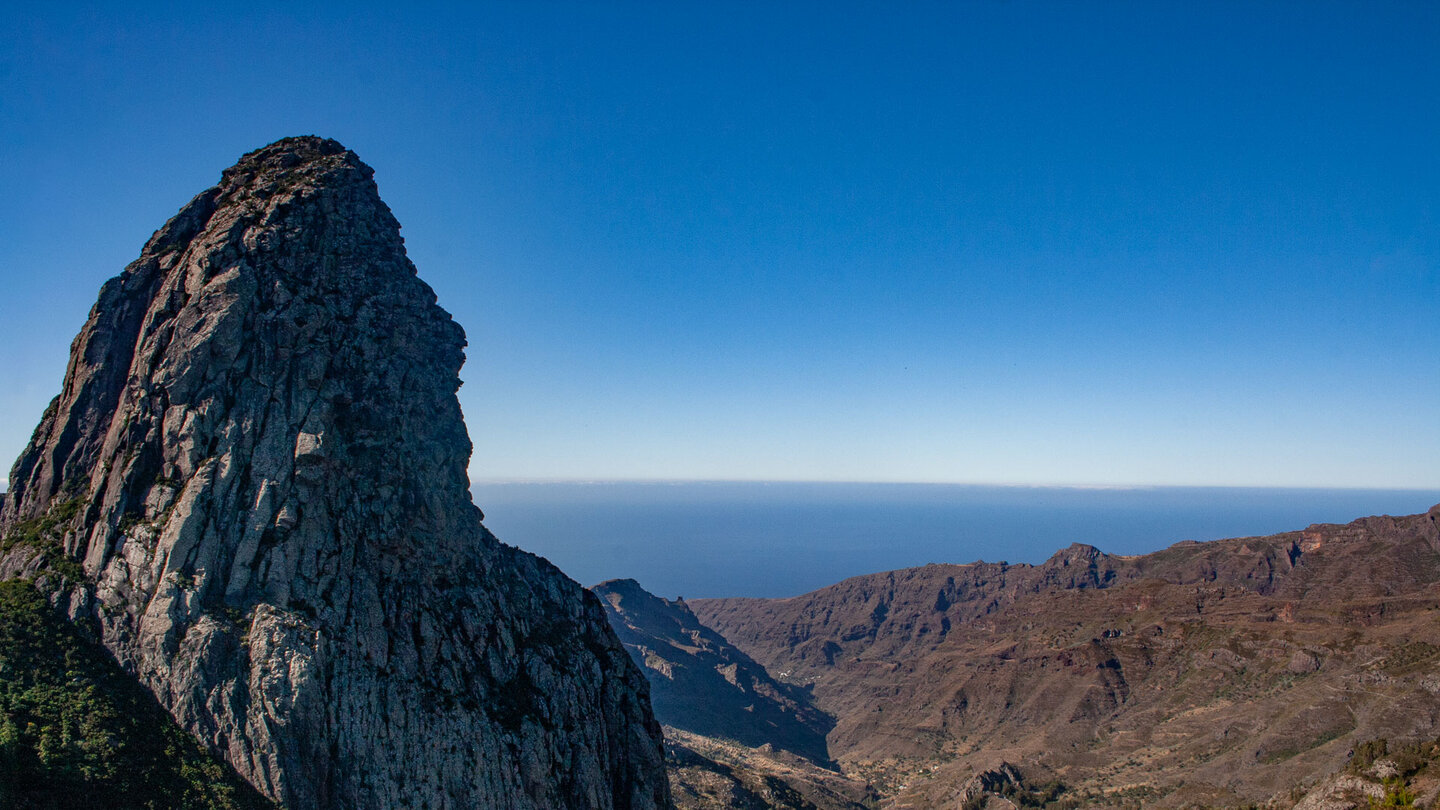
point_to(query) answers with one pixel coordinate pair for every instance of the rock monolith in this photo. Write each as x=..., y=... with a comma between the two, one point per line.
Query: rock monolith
x=253, y=489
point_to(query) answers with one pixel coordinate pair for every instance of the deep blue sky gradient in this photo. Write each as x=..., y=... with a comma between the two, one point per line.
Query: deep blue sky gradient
x=1068, y=243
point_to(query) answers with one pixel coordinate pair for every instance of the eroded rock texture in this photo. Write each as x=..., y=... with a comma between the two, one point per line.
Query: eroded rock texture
x=260, y=440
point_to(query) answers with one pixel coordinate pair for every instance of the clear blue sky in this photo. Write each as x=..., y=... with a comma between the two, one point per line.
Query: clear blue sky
x=1012, y=242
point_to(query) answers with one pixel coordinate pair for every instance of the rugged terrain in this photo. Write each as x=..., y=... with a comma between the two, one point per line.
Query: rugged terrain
x=252, y=491
x=1207, y=674
x=734, y=736
x=712, y=773
x=702, y=684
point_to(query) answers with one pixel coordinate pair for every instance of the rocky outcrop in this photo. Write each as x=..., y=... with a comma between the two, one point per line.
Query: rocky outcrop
x=707, y=773
x=258, y=462
x=700, y=683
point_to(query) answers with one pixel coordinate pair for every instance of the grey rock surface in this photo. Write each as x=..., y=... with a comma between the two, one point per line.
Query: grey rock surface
x=259, y=430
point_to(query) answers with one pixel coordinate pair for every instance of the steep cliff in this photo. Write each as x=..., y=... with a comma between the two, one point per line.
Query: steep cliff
x=253, y=487
x=700, y=683
x=734, y=736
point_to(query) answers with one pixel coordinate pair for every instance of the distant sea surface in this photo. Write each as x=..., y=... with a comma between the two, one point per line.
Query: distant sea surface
x=783, y=539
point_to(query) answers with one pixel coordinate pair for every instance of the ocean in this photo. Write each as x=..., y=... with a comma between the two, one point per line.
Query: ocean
x=697, y=539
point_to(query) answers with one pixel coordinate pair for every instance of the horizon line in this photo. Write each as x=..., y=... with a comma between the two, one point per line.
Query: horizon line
x=594, y=481
x=598, y=481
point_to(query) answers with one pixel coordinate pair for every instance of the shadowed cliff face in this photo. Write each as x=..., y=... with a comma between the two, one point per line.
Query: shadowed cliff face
x=702, y=684
x=259, y=462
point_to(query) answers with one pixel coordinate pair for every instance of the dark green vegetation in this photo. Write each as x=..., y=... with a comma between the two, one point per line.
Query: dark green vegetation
x=77, y=732
x=41, y=534
x=1049, y=796
x=1412, y=762
x=1409, y=758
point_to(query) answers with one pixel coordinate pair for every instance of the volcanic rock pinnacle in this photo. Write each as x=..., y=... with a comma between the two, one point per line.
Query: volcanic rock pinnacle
x=260, y=444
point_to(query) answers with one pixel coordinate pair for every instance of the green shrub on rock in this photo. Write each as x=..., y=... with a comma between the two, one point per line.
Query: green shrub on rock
x=75, y=729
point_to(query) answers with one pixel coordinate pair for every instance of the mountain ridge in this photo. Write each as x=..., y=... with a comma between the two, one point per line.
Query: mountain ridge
x=1088, y=661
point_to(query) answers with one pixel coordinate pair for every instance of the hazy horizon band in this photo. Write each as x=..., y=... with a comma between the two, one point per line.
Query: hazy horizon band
x=784, y=538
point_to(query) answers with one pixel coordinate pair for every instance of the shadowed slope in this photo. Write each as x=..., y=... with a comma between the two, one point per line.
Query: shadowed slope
x=702, y=684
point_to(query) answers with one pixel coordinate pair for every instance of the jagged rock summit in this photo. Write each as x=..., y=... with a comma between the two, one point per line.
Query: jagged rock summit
x=259, y=464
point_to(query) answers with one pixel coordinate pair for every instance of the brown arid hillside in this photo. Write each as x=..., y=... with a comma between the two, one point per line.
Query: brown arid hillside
x=1212, y=674
x=713, y=773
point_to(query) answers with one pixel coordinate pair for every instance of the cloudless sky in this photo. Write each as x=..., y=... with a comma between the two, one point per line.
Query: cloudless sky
x=1043, y=243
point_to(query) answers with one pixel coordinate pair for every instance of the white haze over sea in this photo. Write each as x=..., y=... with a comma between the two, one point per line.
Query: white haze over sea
x=702, y=539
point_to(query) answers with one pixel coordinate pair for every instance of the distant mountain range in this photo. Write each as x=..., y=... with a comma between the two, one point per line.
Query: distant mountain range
x=1205, y=675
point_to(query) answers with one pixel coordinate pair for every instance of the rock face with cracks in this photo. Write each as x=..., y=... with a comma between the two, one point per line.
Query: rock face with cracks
x=259, y=464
